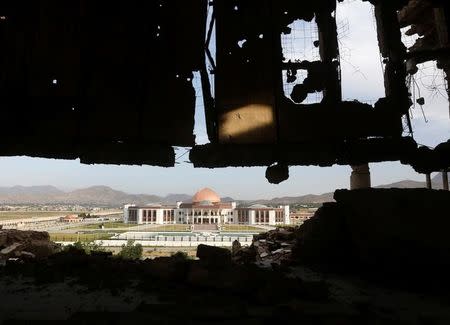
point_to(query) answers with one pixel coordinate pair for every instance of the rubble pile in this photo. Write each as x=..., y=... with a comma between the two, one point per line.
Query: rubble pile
x=399, y=233
x=26, y=244
x=221, y=286
x=324, y=240
x=243, y=254
x=203, y=291
x=398, y=230
x=274, y=246
x=214, y=256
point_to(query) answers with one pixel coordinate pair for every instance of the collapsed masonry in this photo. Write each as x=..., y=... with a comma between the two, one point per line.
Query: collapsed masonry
x=25, y=245
x=171, y=290
x=396, y=234
x=254, y=123
x=427, y=20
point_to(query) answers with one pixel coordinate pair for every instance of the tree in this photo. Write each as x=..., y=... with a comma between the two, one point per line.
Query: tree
x=131, y=251
x=86, y=247
x=182, y=256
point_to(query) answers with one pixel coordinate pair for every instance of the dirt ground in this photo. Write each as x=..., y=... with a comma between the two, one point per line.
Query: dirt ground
x=152, y=252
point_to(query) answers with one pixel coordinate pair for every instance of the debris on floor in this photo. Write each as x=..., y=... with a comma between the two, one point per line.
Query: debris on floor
x=26, y=245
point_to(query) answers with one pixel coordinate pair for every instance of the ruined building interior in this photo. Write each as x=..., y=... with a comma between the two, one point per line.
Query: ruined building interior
x=115, y=83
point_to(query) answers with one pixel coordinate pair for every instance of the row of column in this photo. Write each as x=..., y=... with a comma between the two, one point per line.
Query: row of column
x=360, y=178
x=444, y=180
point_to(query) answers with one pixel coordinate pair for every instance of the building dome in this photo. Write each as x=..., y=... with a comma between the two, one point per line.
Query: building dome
x=206, y=195
x=258, y=206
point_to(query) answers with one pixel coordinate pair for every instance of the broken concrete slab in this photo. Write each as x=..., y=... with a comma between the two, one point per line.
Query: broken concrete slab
x=214, y=256
x=11, y=249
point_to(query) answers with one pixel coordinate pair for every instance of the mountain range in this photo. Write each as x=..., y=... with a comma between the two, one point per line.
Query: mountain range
x=328, y=197
x=93, y=196
x=106, y=196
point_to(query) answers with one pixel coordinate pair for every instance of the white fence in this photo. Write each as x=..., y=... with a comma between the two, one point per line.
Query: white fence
x=175, y=241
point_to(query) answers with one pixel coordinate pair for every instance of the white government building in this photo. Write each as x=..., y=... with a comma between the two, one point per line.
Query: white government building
x=206, y=208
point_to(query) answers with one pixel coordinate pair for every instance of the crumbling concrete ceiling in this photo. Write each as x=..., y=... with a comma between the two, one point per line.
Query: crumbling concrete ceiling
x=310, y=153
x=113, y=83
x=429, y=22
x=103, y=82
x=258, y=124
x=252, y=108
x=250, y=104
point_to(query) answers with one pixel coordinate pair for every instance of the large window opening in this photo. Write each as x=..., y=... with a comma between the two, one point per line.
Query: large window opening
x=360, y=58
x=300, y=42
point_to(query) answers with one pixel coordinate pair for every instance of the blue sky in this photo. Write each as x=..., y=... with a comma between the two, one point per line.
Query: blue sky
x=362, y=79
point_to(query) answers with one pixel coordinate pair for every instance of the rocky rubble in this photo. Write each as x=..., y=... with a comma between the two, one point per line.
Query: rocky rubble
x=174, y=290
x=26, y=244
x=274, y=246
x=395, y=233
x=213, y=288
x=214, y=256
x=188, y=291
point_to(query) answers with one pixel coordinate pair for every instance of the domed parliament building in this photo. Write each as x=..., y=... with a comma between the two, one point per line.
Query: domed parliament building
x=206, y=208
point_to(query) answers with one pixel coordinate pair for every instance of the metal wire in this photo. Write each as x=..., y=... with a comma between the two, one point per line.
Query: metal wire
x=299, y=46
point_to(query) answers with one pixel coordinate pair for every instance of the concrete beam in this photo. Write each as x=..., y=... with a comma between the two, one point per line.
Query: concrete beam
x=445, y=179
x=360, y=177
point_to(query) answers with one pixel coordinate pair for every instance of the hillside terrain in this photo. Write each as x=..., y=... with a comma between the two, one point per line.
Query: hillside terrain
x=106, y=196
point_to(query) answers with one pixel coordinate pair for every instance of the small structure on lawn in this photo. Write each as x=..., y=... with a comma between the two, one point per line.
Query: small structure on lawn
x=71, y=218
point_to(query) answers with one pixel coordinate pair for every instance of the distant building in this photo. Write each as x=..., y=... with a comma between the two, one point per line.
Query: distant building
x=71, y=218
x=298, y=217
x=206, y=208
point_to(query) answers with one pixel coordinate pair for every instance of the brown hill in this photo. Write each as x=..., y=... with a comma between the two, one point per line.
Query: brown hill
x=95, y=196
x=106, y=196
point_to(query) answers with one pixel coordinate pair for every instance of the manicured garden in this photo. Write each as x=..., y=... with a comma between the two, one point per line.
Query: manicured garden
x=164, y=228
x=74, y=237
x=241, y=228
x=108, y=225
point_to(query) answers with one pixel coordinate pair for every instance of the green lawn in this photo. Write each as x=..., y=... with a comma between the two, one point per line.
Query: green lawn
x=170, y=228
x=11, y=215
x=183, y=227
x=241, y=228
x=108, y=225
x=81, y=237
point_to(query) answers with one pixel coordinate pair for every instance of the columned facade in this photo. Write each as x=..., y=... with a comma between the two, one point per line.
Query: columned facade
x=206, y=208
